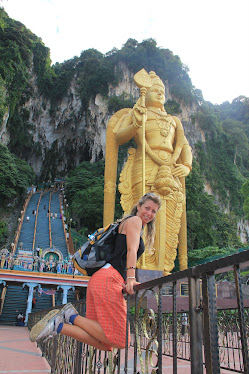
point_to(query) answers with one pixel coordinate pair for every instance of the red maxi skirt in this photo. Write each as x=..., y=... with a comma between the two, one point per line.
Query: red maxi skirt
x=105, y=303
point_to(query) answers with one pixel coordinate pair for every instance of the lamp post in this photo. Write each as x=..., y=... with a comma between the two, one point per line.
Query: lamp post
x=70, y=222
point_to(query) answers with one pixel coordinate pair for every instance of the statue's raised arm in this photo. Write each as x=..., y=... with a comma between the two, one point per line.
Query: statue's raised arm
x=168, y=161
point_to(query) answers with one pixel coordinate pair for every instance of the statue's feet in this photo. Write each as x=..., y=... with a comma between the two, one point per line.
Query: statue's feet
x=166, y=273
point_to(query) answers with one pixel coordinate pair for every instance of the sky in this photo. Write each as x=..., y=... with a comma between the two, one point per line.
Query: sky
x=210, y=37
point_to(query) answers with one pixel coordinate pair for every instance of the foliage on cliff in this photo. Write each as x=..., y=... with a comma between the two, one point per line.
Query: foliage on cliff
x=85, y=195
x=22, y=52
x=17, y=46
x=15, y=176
x=224, y=156
x=245, y=193
x=206, y=224
x=167, y=65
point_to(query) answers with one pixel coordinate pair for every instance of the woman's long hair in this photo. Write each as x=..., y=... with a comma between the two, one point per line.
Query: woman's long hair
x=150, y=232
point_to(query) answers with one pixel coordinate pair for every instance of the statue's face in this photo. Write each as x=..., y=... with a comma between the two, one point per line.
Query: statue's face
x=155, y=97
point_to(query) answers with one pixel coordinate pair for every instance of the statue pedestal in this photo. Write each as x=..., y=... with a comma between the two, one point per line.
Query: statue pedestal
x=147, y=275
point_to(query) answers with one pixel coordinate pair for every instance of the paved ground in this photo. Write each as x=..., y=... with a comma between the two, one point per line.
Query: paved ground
x=18, y=354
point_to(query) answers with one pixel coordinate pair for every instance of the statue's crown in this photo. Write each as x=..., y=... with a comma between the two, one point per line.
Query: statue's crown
x=155, y=79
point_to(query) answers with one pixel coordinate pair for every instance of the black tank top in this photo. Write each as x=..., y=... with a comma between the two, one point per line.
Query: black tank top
x=119, y=258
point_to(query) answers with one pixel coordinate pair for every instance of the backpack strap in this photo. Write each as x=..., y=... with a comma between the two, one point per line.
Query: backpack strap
x=123, y=222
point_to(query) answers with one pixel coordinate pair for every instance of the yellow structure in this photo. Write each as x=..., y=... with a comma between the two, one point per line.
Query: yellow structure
x=159, y=164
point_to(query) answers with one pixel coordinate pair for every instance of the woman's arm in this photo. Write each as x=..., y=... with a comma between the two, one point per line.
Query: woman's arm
x=132, y=229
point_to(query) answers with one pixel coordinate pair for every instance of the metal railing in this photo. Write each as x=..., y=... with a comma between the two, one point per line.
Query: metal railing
x=211, y=340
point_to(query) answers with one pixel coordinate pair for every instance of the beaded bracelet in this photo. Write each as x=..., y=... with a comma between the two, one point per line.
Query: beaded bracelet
x=131, y=278
x=131, y=267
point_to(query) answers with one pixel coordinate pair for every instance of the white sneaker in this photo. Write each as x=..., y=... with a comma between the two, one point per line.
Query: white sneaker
x=47, y=326
x=67, y=311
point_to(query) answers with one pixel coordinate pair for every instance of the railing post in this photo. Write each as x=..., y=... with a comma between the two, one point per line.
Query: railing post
x=174, y=330
x=211, y=346
x=77, y=366
x=127, y=334
x=135, y=335
x=54, y=355
x=241, y=319
x=160, y=336
x=195, y=320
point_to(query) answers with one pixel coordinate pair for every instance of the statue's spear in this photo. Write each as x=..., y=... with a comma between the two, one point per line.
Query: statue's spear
x=143, y=81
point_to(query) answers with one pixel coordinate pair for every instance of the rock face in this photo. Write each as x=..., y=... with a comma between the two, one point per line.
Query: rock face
x=243, y=230
x=67, y=135
x=4, y=135
x=58, y=132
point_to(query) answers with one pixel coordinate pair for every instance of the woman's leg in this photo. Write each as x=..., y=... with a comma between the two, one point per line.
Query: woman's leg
x=87, y=331
x=83, y=336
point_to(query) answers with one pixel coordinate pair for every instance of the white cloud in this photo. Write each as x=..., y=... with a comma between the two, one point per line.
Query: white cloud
x=210, y=37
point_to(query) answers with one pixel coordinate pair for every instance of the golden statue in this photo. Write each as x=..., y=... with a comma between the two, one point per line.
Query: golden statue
x=159, y=164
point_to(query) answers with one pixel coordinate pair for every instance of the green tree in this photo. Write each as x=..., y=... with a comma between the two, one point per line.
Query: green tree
x=95, y=73
x=88, y=205
x=237, y=141
x=238, y=110
x=206, y=224
x=3, y=233
x=15, y=175
x=211, y=253
x=3, y=100
x=84, y=191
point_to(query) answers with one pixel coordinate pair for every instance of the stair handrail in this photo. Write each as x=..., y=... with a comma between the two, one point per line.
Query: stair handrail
x=2, y=298
x=49, y=220
x=63, y=223
x=37, y=209
x=17, y=234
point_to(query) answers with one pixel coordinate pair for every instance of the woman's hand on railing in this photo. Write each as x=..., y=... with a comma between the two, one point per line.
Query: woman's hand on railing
x=128, y=287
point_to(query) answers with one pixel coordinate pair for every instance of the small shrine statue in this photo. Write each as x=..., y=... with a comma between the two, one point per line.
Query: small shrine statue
x=58, y=268
x=3, y=260
x=163, y=149
x=42, y=264
x=35, y=264
x=10, y=261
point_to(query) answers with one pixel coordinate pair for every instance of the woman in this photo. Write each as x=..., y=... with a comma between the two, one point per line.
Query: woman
x=104, y=326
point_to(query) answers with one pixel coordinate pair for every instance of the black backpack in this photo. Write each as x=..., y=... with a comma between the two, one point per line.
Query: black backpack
x=97, y=251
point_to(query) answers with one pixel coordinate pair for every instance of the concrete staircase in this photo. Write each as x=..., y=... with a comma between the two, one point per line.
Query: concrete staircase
x=15, y=303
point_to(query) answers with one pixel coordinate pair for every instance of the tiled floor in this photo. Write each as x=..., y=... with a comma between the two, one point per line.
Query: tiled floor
x=18, y=354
